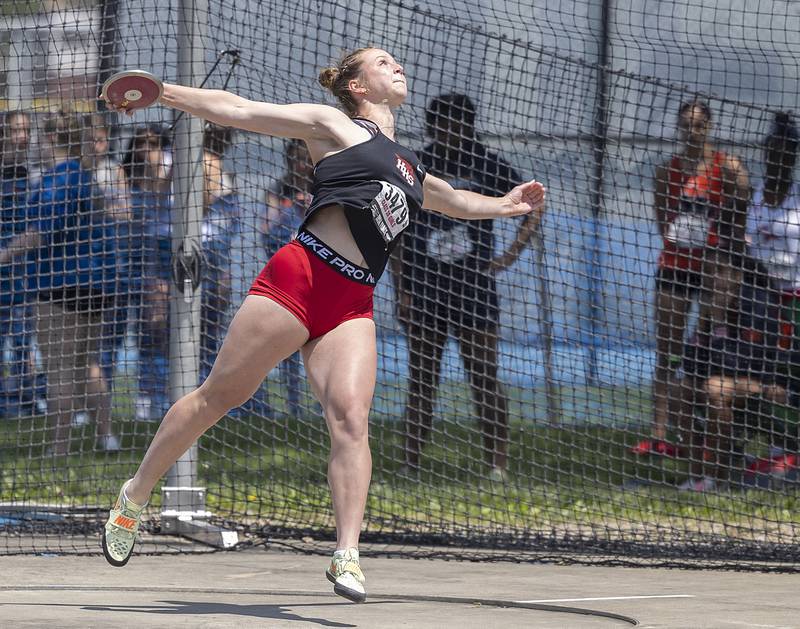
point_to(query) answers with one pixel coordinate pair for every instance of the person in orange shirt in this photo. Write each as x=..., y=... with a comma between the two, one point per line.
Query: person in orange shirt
x=701, y=198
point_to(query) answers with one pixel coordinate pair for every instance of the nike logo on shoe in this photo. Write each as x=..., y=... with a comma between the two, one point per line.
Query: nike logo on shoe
x=125, y=522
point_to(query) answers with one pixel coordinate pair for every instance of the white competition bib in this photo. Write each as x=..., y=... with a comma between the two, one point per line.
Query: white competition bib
x=389, y=211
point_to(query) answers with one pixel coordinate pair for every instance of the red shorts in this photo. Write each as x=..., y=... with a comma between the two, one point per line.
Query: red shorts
x=316, y=285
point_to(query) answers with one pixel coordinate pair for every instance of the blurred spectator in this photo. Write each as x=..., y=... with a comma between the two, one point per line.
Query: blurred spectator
x=148, y=169
x=701, y=197
x=108, y=176
x=446, y=283
x=287, y=201
x=288, y=198
x=19, y=389
x=221, y=216
x=773, y=224
x=773, y=233
x=73, y=273
x=110, y=197
x=745, y=362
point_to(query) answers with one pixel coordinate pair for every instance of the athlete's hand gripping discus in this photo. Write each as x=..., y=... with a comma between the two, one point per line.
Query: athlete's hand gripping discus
x=131, y=90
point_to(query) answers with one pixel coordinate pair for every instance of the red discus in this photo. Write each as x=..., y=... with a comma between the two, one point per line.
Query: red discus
x=132, y=89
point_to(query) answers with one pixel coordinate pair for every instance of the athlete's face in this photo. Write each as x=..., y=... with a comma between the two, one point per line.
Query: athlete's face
x=693, y=127
x=382, y=79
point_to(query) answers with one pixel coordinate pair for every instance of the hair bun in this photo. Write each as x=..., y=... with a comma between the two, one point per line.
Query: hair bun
x=327, y=77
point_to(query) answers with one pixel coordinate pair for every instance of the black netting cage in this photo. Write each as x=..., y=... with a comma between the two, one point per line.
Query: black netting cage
x=617, y=383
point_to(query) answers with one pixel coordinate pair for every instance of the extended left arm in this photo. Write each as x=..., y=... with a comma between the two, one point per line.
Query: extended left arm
x=440, y=196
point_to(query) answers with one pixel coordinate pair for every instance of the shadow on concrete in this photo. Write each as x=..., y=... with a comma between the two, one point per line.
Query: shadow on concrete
x=204, y=608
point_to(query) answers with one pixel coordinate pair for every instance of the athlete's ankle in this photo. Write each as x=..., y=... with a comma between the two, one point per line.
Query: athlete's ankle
x=133, y=497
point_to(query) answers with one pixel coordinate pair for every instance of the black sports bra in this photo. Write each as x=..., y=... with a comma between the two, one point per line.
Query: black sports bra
x=379, y=185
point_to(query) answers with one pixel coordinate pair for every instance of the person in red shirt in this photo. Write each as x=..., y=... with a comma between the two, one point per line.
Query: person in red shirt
x=701, y=198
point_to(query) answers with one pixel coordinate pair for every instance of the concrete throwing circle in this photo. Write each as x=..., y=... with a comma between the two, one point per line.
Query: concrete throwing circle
x=447, y=600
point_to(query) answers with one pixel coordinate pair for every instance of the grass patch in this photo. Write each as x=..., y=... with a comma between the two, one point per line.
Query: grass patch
x=572, y=478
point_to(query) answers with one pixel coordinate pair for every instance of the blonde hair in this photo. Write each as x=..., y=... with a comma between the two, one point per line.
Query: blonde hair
x=336, y=79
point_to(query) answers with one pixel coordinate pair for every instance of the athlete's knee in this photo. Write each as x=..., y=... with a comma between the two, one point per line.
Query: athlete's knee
x=348, y=421
x=221, y=399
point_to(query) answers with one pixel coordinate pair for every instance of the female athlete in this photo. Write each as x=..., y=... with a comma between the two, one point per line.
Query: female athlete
x=315, y=293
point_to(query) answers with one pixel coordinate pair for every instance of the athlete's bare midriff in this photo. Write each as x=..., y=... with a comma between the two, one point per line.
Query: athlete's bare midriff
x=329, y=224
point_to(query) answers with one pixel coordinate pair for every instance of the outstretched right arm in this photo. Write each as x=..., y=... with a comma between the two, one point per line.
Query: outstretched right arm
x=300, y=120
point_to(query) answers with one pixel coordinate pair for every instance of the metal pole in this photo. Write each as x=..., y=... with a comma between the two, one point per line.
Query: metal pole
x=108, y=39
x=183, y=500
x=600, y=139
x=553, y=400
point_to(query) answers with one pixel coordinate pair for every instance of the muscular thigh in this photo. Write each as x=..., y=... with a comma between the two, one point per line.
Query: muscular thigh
x=341, y=366
x=260, y=336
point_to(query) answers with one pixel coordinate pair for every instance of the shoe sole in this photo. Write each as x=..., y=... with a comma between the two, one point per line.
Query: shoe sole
x=107, y=554
x=350, y=595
